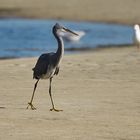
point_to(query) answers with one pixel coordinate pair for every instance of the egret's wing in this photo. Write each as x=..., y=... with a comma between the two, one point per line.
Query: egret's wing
x=42, y=65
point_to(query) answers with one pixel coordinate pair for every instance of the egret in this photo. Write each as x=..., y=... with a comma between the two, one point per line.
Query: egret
x=137, y=35
x=48, y=64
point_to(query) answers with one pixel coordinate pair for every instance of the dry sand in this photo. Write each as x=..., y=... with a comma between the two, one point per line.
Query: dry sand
x=98, y=91
x=120, y=11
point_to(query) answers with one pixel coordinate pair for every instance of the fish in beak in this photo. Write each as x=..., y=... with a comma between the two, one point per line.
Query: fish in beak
x=67, y=30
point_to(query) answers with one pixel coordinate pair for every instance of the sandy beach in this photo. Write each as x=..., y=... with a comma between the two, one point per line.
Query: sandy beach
x=98, y=92
x=117, y=11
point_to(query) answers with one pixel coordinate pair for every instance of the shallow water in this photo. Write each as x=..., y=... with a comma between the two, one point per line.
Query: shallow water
x=27, y=37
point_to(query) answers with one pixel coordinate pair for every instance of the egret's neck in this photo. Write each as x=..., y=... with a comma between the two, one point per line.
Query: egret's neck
x=60, y=50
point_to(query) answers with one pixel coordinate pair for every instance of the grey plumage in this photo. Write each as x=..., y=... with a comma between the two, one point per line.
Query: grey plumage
x=48, y=63
x=43, y=64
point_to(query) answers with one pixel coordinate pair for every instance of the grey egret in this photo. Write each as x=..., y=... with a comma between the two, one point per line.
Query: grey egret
x=137, y=35
x=48, y=64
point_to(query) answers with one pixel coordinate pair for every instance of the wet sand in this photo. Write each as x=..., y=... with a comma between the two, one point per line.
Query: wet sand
x=98, y=91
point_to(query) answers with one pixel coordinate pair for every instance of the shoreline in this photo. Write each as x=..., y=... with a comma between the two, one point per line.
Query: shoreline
x=68, y=20
x=119, y=22
x=71, y=19
x=72, y=50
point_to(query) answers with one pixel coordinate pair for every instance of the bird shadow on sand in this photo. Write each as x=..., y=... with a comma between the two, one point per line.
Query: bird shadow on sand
x=2, y=107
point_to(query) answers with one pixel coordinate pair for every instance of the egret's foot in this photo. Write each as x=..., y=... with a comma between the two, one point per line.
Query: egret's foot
x=31, y=105
x=53, y=109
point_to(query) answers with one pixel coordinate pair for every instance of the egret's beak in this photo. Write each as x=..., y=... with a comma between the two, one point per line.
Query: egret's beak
x=67, y=30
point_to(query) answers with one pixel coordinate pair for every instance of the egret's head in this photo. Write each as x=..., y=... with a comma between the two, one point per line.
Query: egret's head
x=136, y=27
x=58, y=28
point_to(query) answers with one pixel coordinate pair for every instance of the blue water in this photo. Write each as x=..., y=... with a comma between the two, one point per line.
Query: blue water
x=27, y=37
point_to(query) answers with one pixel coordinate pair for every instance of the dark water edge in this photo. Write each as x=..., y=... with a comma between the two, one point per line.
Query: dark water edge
x=99, y=47
x=74, y=50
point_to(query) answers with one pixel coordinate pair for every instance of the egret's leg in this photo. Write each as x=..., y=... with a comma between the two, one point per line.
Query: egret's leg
x=30, y=103
x=137, y=46
x=53, y=108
